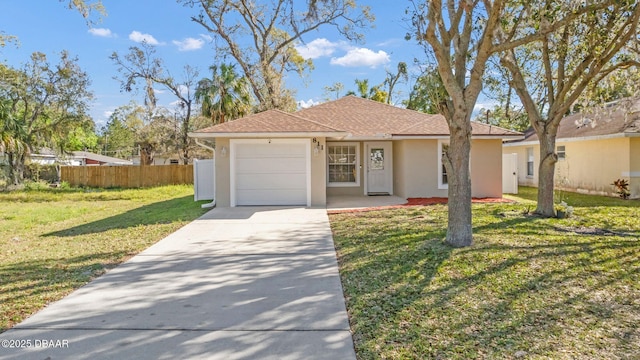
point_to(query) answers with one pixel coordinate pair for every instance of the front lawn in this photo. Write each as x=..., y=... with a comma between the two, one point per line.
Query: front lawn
x=529, y=288
x=54, y=241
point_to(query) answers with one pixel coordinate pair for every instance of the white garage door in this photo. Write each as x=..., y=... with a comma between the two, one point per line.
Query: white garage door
x=270, y=172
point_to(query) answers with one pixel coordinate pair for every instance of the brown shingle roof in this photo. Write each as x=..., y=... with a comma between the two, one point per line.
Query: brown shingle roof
x=361, y=118
x=438, y=126
x=268, y=122
x=620, y=118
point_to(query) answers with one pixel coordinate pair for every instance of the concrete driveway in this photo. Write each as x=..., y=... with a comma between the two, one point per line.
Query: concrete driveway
x=238, y=283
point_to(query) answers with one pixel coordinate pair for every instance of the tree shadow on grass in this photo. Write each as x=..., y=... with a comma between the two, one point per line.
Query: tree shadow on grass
x=45, y=279
x=515, y=294
x=537, y=293
x=216, y=297
x=162, y=212
x=384, y=269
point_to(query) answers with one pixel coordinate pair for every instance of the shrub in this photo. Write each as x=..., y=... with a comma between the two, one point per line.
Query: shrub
x=36, y=185
x=37, y=172
x=622, y=188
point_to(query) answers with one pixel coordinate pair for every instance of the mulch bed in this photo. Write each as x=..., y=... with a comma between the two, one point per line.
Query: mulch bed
x=418, y=202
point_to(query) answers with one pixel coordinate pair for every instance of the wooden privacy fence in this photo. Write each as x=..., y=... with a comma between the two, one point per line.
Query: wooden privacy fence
x=127, y=176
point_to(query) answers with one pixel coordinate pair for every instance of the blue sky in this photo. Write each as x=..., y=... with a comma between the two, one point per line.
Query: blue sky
x=49, y=27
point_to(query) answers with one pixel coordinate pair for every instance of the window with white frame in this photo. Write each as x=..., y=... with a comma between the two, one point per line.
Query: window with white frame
x=443, y=180
x=530, y=161
x=561, y=151
x=343, y=164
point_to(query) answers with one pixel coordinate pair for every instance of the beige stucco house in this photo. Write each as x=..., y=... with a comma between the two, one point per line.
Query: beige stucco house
x=594, y=149
x=351, y=146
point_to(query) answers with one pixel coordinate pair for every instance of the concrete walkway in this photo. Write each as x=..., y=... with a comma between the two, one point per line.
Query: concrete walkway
x=239, y=283
x=362, y=202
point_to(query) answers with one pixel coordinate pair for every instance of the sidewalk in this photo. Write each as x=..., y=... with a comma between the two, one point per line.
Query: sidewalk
x=238, y=283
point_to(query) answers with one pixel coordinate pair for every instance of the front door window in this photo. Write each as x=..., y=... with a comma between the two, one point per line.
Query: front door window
x=376, y=159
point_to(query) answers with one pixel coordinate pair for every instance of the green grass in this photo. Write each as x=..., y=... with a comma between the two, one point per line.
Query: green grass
x=529, y=287
x=54, y=241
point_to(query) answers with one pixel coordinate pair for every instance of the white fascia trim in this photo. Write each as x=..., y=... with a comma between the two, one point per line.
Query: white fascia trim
x=268, y=135
x=503, y=138
x=599, y=137
x=520, y=143
x=420, y=137
x=583, y=138
x=443, y=137
x=349, y=137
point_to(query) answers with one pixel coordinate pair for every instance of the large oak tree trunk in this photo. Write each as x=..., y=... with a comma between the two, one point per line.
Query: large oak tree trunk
x=459, y=229
x=546, y=172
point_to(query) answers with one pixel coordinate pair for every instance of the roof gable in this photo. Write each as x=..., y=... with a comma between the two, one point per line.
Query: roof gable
x=100, y=158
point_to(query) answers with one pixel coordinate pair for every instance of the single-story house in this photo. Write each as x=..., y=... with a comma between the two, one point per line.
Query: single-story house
x=594, y=149
x=75, y=158
x=351, y=146
x=157, y=160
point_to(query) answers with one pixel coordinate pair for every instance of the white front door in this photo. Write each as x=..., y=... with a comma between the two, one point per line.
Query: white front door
x=379, y=178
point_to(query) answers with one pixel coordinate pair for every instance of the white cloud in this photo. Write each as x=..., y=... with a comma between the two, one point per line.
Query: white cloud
x=488, y=105
x=101, y=32
x=480, y=107
x=139, y=37
x=107, y=113
x=307, y=104
x=175, y=103
x=317, y=48
x=392, y=42
x=189, y=44
x=184, y=90
x=206, y=37
x=362, y=57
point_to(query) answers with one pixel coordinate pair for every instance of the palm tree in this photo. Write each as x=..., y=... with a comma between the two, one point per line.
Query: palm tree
x=10, y=131
x=374, y=93
x=12, y=136
x=224, y=97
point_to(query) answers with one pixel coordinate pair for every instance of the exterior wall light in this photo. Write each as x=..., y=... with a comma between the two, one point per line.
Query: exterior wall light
x=317, y=147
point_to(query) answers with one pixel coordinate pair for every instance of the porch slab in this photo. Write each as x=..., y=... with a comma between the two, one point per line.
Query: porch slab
x=362, y=202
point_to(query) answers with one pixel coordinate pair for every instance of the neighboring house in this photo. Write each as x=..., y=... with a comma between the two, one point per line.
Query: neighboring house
x=593, y=151
x=157, y=160
x=351, y=146
x=76, y=158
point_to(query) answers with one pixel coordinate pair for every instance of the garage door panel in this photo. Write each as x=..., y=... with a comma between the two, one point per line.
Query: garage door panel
x=271, y=181
x=269, y=150
x=274, y=197
x=273, y=173
x=265, y=166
